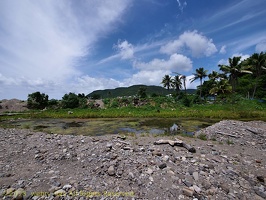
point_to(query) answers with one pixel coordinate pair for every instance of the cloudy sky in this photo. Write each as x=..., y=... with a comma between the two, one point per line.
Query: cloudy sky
x=63, y=46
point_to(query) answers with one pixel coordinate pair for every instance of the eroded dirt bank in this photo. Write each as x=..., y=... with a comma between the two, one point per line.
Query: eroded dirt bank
x=231, y=164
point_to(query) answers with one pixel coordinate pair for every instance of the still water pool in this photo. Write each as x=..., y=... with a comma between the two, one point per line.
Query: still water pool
x=102, y=126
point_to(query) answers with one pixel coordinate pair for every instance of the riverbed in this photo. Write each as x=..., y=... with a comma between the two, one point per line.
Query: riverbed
x=105, y=126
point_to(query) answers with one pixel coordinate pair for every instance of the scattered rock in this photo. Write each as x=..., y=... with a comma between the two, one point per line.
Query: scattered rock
x=260, y=179
x=111, y=170
x=157, y=152
x=48, y=165
x=163, y=165
x=225, y=187
x=196, y=176
x=188, y=192
x=60, y=192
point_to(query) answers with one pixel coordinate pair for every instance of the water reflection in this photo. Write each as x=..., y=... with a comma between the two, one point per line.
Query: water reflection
x=112, y=126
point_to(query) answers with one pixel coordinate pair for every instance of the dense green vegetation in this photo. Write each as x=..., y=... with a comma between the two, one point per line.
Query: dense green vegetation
x=159, y=107
x=245, y=78
x=237, y=91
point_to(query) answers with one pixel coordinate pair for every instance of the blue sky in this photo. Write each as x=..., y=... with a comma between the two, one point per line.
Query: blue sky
x=63, y=46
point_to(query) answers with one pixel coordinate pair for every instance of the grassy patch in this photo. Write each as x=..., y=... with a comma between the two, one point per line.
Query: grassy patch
x=202, y=136
x=229, y=142
x=245, y=109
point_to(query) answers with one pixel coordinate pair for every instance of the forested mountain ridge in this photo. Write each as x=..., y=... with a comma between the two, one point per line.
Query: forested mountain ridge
x=132, y=91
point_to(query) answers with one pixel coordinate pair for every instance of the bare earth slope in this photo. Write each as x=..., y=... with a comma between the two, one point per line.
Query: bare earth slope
x=230, y=165
x=12, y=105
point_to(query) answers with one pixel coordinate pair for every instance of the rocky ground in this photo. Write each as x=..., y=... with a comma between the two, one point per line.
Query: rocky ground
x=230, y=164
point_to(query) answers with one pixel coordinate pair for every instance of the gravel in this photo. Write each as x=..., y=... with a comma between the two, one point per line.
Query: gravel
x=231, y=164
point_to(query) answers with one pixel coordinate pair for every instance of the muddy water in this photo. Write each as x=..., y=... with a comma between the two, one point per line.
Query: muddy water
x=101, y=126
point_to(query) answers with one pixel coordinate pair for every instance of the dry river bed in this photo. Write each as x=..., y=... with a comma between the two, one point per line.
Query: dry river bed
x=230, y=164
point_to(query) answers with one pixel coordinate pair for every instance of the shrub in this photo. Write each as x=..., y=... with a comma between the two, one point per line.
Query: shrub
x=70, y=100
x=37, y=100
x=202, y=136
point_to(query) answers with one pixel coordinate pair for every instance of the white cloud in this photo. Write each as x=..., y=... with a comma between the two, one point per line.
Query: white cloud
x=226, y=61
x=176, y=62
x=42, y=41
x=196, y=43
x=192, y=85
x=261, y=46
x=147, y=77
x=125, y=50
x=243, y=43
x=223, y=62
x=6, y=80
x=87, y=84
x=181, y=6
x=243, y=56
x=223, y=49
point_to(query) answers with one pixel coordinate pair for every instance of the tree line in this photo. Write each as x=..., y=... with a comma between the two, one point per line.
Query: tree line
x=246, y=78
x=39, y=100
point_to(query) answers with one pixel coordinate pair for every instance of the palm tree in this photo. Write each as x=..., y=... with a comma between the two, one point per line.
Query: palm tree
x=184, y=78
x=221, y=87
x=200, y=74
x=177, y=83
x=257, y=63
x=166, y=82
x=234, y=69
x=214, y=76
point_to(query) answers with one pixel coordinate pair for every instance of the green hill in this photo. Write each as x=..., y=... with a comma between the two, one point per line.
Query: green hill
x=132, y=91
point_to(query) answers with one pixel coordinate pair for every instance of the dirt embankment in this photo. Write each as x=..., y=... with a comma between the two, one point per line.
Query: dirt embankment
x=12, y=105
x=231, y=164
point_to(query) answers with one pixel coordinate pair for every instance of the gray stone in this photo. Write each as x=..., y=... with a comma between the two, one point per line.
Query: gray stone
x=131, y=175
x=206, y=184
x=156, y=152
x=188, y=192
x=2, y=192
x=165, y=158
x=60, y=192
x=188, y=184
x=149, y=171
x=211, y=191
x=260, y=193
x=162, y=166
x=111, y=170
x=225, y=187
x=196, y=176
x=174, y=128
x=260, y=178
x=67, y=187
x=196, y=188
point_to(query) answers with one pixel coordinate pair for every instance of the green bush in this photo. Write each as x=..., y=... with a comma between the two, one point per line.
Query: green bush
x=37, y=100
x=70, y=100
x=202, y=136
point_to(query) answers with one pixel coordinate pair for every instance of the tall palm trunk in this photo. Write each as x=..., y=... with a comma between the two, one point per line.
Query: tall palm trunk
x=200, y=87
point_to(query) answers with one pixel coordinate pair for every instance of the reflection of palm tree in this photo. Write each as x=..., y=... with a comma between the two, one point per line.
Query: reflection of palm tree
x=166, y=81
x=177, y=84
x=200, y=74
x=234, y=69
x=257, y=63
